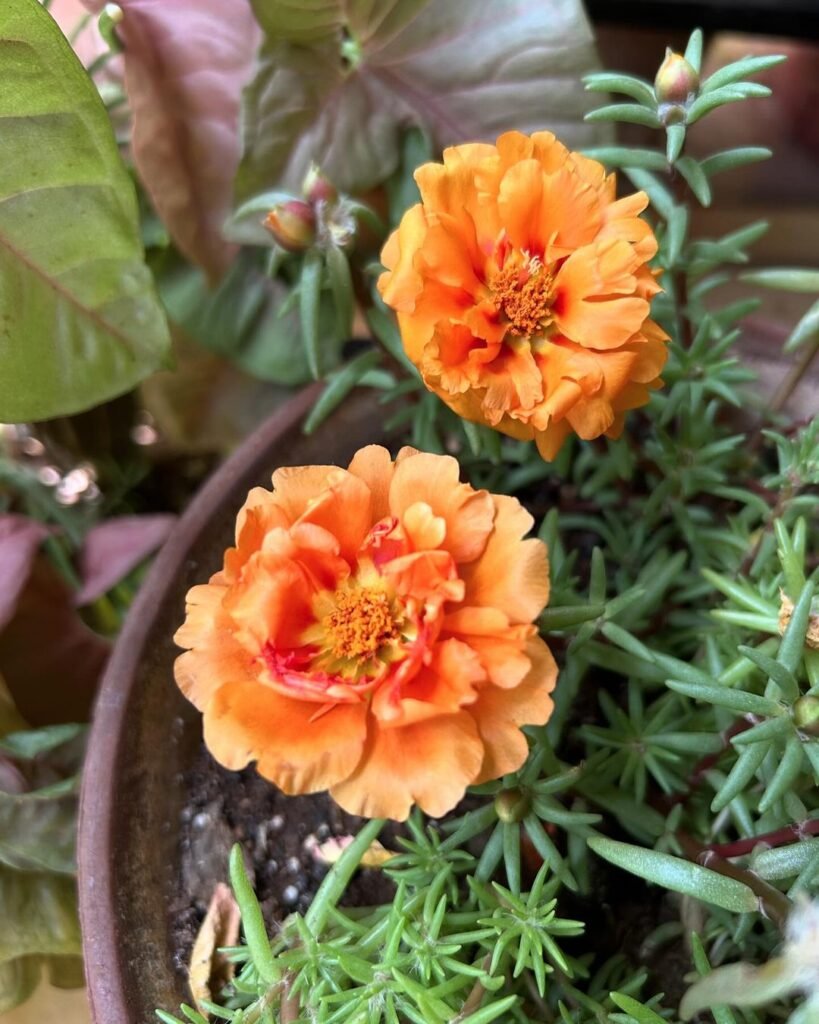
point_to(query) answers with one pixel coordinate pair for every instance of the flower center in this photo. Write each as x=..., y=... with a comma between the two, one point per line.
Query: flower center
x=360, y=623
x=523, y=294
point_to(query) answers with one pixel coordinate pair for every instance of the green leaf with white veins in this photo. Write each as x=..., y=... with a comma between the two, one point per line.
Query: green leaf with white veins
x=359, y=72
x=79, y=318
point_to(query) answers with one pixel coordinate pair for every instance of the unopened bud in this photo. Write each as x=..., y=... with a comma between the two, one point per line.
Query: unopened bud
x=805, y=714
x=676, y=80
x=511, y=805
x=317, y=187
x=114, y=12
x=292, y=224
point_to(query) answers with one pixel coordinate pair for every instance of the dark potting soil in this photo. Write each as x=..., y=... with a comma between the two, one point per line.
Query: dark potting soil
x=278, y=834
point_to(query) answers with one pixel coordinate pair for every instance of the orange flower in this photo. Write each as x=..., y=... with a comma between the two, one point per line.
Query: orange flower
x=522, y=290
x=371, y=634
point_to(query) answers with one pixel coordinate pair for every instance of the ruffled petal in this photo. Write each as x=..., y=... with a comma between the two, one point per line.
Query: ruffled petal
x=499, y=714
x=435, y=480
x=296, y=744
x=429, y=764
x=512, y=574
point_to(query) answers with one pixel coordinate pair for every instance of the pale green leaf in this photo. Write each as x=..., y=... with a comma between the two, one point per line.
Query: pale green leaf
x=740, y=985
x=740, y=69
x=39, y=915
x=805, y=330
x=637, y=88
x=676, y=874
x=79, y=317
x=247, y=319
x=791, y=279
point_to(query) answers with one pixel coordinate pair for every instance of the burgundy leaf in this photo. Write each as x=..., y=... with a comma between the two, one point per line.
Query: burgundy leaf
x=186, y=62
x=114, y=548
x=50, y=660
x=20, y=540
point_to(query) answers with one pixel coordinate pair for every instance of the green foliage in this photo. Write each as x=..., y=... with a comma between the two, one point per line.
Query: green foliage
x=79, y=317
x=38, y=808
x=337, y=83
x=679, y=769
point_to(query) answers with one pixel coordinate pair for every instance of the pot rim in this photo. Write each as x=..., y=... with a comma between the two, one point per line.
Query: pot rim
x=99, y=918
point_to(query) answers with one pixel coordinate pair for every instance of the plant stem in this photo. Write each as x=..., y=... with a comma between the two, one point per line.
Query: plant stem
x=773, y=903
x=779, y=837
x=794, y=376
x=290, y=1006
x=680, y=276
x=339, y=875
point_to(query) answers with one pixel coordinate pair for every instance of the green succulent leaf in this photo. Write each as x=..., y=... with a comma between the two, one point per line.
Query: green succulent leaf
x=339, y=385
x=791, y=279
x=637, y=88
x=738, y=70
x=740, y=985
x=80, y=321
x=676, y=874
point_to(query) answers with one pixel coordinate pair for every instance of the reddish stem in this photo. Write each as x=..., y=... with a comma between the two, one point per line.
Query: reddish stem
x=779, y=837
x=708, y=762
x=773, y=903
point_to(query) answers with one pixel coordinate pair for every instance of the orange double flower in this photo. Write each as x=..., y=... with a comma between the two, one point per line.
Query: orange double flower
x=371, y=634
x=522, y=290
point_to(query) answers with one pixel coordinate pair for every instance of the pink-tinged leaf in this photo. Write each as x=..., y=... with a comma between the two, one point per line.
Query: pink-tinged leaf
x=114, y=548
x=49, y=659
x=186, y=62
x=20, y=540
x=462, y=70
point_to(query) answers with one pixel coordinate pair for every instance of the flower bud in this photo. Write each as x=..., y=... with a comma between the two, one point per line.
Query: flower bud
x=292, y=224
x=317, y=187
x=806, y=714
x=511, y=805
x=676, y=80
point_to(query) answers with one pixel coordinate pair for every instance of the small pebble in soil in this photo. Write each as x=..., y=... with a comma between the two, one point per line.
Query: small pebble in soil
x=223, y=807
x=290, y=895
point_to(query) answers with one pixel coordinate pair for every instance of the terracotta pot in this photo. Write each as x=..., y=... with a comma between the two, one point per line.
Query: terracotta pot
x=145, y=734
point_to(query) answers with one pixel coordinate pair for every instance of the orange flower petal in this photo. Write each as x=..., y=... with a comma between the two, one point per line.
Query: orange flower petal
x=373, y=465
x=400, y=288
x=215, y=655
x=429, y=763
x=443, y=686
x=302, y=751
x=500, y=713
x=499, y=645
x=595, y=304
x=512, y=574
x=339, y=503
x=435, y=480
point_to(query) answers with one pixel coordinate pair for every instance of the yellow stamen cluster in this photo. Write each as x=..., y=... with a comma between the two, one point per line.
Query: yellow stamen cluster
x=360, y=623
x=523, y=296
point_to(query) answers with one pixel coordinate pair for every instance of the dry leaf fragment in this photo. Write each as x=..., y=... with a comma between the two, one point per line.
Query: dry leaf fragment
x=785, y=613
x=209, y=971
x=329, y=852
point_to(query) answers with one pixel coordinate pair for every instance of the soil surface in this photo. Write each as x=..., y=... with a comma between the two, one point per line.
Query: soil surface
x=278, y=833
